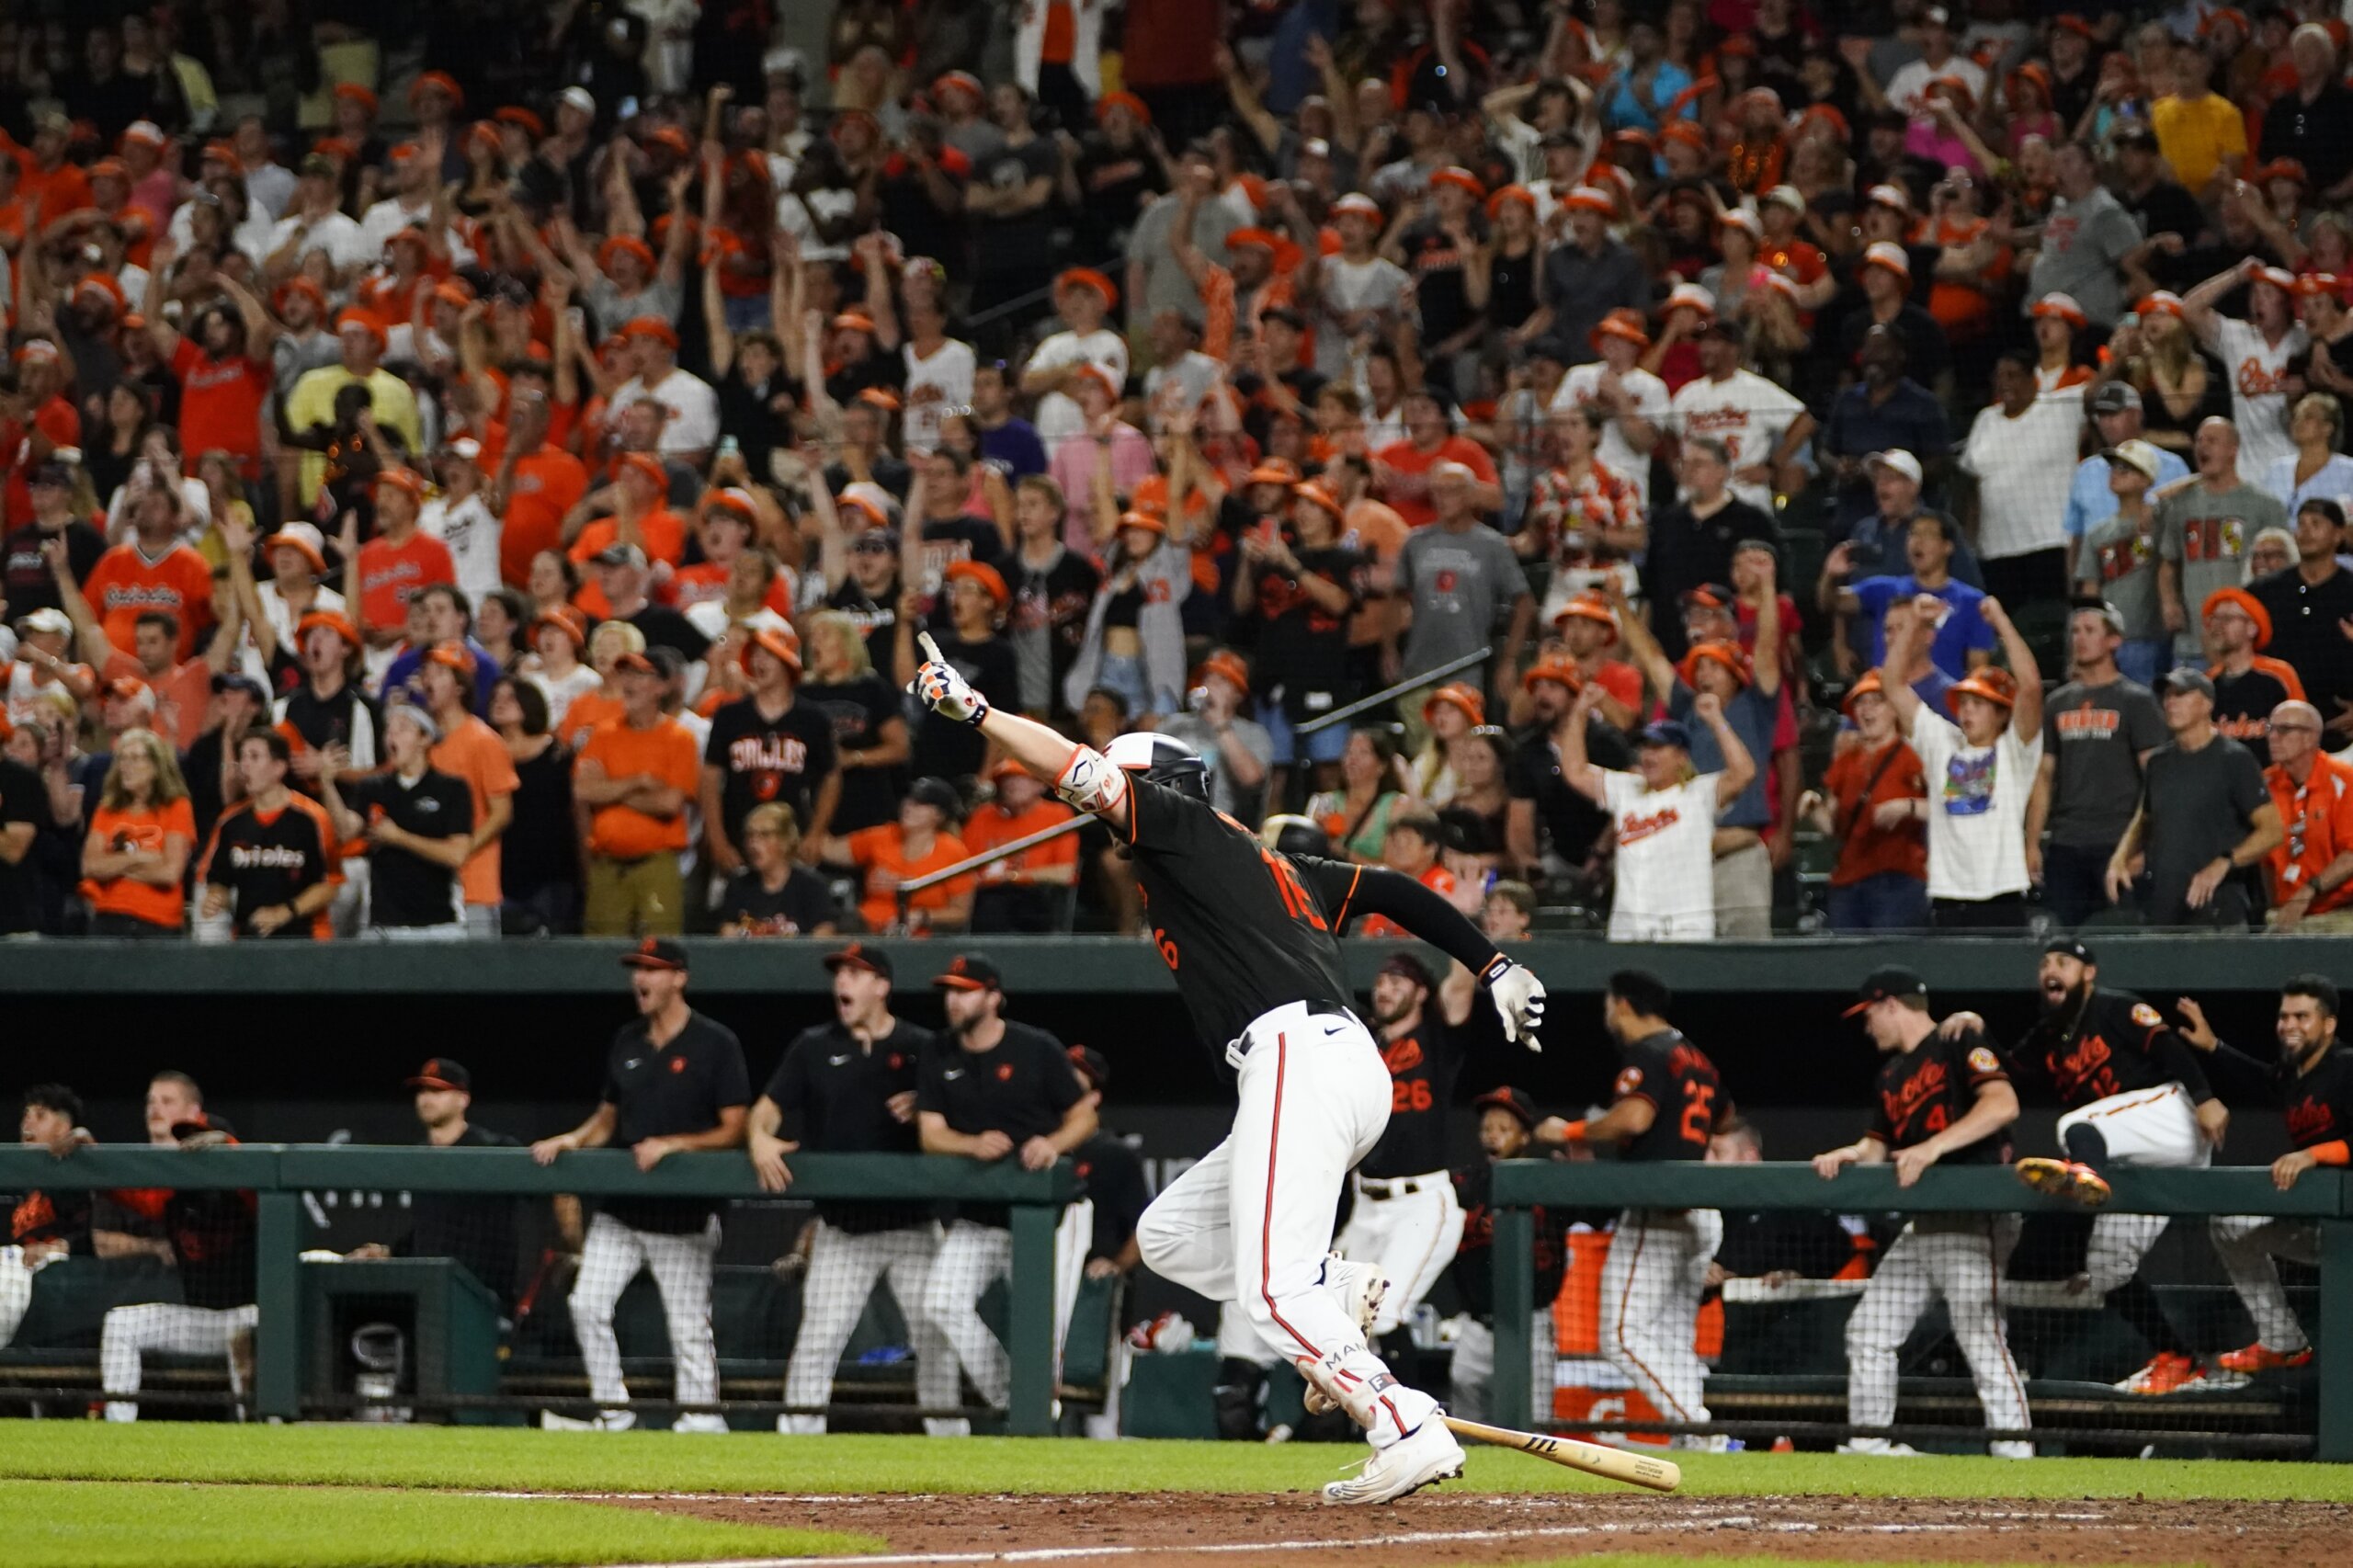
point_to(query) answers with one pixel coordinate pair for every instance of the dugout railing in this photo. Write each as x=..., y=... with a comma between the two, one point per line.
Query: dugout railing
x=2309, y=1412
x=281, y=1175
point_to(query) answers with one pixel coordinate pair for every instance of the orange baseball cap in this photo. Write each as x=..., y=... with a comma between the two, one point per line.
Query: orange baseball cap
x=1560, y=672
x=1731, y=656
x=2247, y=605
x=1227, y=663
x=1460, y=696
x=781, y=641
x=991, y=581
x=1996, y=686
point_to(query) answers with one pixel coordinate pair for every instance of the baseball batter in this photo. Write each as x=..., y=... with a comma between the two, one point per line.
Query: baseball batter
x=2134, y=1095
x=1940, y=1100
x=848, y=1086
x=1407, y=1219
x=2314, y=1079
x=1666, y=1102
x=1249, y=934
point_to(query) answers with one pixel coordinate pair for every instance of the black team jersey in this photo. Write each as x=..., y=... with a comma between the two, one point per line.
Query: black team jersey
x=52, y=1217
x=1683, y=1091
x=834, y=1091
x=1021, y=1087
x=1927, y=1089
x=2117, y=1044
x=1474, y=1267
x=266, y=859
x=1423, y=1064
x=2320, y=1103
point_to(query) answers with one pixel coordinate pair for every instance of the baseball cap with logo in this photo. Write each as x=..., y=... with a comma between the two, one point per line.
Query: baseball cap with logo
x=2186, y=677
x=858, y=955
x=656, y=953
x=1089, y=1061
x=970, y=972
x=1665, y=733
x=2137, y=454
x=2068, y=947
x=2115, y=397
x=621, y=555
x=1896, y=461
x=1514, y=1101
x=1882, y=984
x=440, y=1073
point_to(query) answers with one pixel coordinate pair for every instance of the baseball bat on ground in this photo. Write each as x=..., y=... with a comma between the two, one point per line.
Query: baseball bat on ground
x=1613, y=1464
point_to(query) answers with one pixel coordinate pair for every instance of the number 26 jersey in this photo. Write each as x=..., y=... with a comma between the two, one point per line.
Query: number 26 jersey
x=1682, y=1086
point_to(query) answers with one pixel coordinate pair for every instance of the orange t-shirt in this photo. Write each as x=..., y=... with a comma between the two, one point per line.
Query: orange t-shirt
x=993, y=825
x=2319, y=820
x=882, y=853
x=221, y=406
x=182, y=696
x=392, y=574
x=146, y=829
x=473, y=752
x=62, y=426
x=705, y=583
x=546, y=483
x=591, y=710
x=664, y=533
x=1061, y=34
x=125, y=584
x=667, y=751
x=1409, y=489
x=1437, y=879
x=1620, y=680
x=1866, y=850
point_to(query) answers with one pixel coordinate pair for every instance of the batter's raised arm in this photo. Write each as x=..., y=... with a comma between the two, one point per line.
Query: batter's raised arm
x=1079, y=774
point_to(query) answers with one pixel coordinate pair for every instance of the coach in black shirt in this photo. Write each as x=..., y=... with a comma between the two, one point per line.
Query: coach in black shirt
x=471, y=1229
x=418, y=824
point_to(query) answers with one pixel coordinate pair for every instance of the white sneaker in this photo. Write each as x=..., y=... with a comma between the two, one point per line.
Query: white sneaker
x=705, y=1422
x=2014, y=1450
x=1422, y=1456
x=1880, y=1447
x=1359, y=1287
x=607, y=1421
x=1703, y=1443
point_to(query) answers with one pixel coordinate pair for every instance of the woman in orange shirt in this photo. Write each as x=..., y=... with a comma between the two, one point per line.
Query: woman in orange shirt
x=915, y=845
x=139, y=843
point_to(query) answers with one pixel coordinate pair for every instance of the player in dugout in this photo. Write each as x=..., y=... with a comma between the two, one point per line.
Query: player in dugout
x=1250, y=937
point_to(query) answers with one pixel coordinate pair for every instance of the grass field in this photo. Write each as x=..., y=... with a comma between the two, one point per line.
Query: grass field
x=75, y=1495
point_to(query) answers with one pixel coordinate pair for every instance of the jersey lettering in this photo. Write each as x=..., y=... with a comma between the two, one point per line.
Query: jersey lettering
x=1698, y=1111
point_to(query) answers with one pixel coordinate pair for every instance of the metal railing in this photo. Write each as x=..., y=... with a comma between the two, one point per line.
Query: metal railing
x=2322, y=1195
x=278, y=1175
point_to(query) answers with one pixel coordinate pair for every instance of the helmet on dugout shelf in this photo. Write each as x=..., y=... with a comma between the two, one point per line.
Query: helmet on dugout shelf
x=1162, y=760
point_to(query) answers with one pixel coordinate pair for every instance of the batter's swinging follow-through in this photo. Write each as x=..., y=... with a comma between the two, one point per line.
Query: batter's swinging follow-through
x=1251, y=937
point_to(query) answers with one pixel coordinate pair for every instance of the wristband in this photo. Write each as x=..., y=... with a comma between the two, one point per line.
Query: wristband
x=1494, y=970
x=2336, y=1154
x=1573, y=1132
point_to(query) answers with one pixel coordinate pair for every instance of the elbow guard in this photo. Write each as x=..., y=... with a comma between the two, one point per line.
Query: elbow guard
x=1090, y=782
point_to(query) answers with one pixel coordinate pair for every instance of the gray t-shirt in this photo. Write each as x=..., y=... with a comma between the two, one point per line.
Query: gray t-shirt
x=1459, y=583
x=1192, y=730
x=2082, y=242
x=613, y=312
x=2207, y=533
x=2095, y=735
x=2119, y=562
x=2201, y=803
x=1166, y=286
x=1751, y=715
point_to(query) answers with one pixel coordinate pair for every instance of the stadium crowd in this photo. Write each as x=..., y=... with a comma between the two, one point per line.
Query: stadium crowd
x=474, y=470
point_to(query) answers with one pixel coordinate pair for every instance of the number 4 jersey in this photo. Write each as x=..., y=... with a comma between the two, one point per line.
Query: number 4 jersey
x=1683, y=1088
x=1927, y=1089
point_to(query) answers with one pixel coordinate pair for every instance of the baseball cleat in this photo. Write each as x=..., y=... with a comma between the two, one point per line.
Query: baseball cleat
x=2064, y=1179
x=705, y=1423
x=1422, y=1456
x=1360, y=1287
x=2165, y=1373
x=2016, y=1448
x=607, y=1421
x=1880, y=1447
x=2261, y=1358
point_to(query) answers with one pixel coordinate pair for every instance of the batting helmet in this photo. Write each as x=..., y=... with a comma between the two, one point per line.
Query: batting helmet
x=1162, y=760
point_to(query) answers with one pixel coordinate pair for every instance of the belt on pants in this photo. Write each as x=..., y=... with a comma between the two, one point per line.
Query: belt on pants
x=1238, y=1049
x=1381, y=1189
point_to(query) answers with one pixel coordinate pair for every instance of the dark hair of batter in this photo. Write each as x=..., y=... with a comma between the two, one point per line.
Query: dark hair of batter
x=2318, y=987
x=56, y=1098
x=1645, y=993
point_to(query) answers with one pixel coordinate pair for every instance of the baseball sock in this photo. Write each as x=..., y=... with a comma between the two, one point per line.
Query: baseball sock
x=2086, y=1146
x=2137, y=1304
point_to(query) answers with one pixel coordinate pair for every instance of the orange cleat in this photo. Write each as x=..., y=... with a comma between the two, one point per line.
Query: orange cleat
x=2165, y=1373
x=2064, y=1179
x=2261, y=1358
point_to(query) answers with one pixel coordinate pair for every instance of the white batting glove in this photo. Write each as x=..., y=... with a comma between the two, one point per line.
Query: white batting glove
x=941, y=688
x=1519, y=997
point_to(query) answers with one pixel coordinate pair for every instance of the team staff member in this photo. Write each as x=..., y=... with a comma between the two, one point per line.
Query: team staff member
x=211, y=1239
x=848, y=1088
x=2313, y=1078
x=43, y=1226
x=1666, y=1102
x=766, y=746
x=2134, y=1095
x=475, y=1230
x=990, y=1088
x=1249, y=934
x=675, y=1082
x=271, y=864
x=1507, y=1123
x=1405, y=1220
x=1940, y=1101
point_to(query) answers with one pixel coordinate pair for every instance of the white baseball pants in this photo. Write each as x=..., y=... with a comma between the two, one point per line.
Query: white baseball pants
x=1412, y=1234
x=129, y=1332
x=1959, y=1258
x=971, y=1258
x=15, y=1292
x=2246, y=1244
x=610, y=1260
x=843, y=1266
x=1649, y=1304
x=1251, y=1223
x=1470, y=1381
x=2147, y=1127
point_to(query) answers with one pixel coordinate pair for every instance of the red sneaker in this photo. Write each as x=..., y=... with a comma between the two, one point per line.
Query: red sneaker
x=2165, y=1373
x=2064, y=1179
x=2259, y=1358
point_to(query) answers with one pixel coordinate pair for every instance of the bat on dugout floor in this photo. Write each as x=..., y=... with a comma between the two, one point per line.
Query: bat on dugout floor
x=1614, y=1464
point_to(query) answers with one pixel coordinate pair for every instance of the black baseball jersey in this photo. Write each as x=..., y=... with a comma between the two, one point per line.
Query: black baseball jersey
x=266, y=859
x=1682, y=1087
x=477, y=1229
x=835, y=1092
x=1927, y=1089
x=2115, y=1045
x=52, y=1217
x=1113, y=1172
x=406, y=889
x=1423, y=1063
x=2320, y=1103
x=803, y=903
x=762, y=759
x=1021, y=1086
x=1475, y=1268
x=662, y=1091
